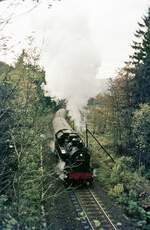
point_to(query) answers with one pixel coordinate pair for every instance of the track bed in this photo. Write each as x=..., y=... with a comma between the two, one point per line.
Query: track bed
x=96, y=211
x=91, y=211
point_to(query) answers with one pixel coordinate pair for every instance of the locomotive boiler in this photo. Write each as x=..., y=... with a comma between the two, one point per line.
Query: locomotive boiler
x=71, y=152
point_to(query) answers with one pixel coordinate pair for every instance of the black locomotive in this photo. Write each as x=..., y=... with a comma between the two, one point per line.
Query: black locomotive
x=71, y=150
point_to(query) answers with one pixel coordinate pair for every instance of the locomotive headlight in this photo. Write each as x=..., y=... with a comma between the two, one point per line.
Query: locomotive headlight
x=81, y=155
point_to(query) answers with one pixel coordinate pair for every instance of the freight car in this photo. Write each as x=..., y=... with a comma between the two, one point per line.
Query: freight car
x=71, y=152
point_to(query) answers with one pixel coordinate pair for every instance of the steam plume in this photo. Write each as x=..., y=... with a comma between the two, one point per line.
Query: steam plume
x=73, y=60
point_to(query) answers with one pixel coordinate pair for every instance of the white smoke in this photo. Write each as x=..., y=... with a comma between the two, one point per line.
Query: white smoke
x=72, y=56
x=60, y=169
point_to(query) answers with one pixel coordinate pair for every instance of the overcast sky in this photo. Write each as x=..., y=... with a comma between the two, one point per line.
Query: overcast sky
x=111, y=25
x=80, y=40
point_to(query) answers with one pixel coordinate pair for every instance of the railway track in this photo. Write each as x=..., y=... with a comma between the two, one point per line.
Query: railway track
x=90, y=210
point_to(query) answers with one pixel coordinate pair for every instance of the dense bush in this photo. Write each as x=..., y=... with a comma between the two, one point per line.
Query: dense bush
x=124, y=183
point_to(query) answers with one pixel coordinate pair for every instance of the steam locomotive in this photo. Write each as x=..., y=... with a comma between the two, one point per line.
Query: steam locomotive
x=74, y=157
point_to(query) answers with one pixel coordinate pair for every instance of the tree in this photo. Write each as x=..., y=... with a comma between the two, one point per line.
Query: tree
x=131, y=87
x=141, y=62
x=121, y=106
x=141, y=133
x=25, y=123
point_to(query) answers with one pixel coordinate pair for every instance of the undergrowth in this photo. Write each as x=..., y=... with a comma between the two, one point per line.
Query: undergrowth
x=123, y=182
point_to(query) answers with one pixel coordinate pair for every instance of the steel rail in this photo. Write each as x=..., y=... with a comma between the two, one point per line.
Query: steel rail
x=81, y=197
x=103, y=211
x=87, y=222
x=85, y=214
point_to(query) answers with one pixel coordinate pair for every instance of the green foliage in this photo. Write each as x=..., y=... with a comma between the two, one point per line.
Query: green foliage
x=141, y=131
x=98, y=113
x=122, y=182
x=125, y=184
x=140, y=87
x=136, y=211
x=117, y=190
x=6, y=218
x=27, y=128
